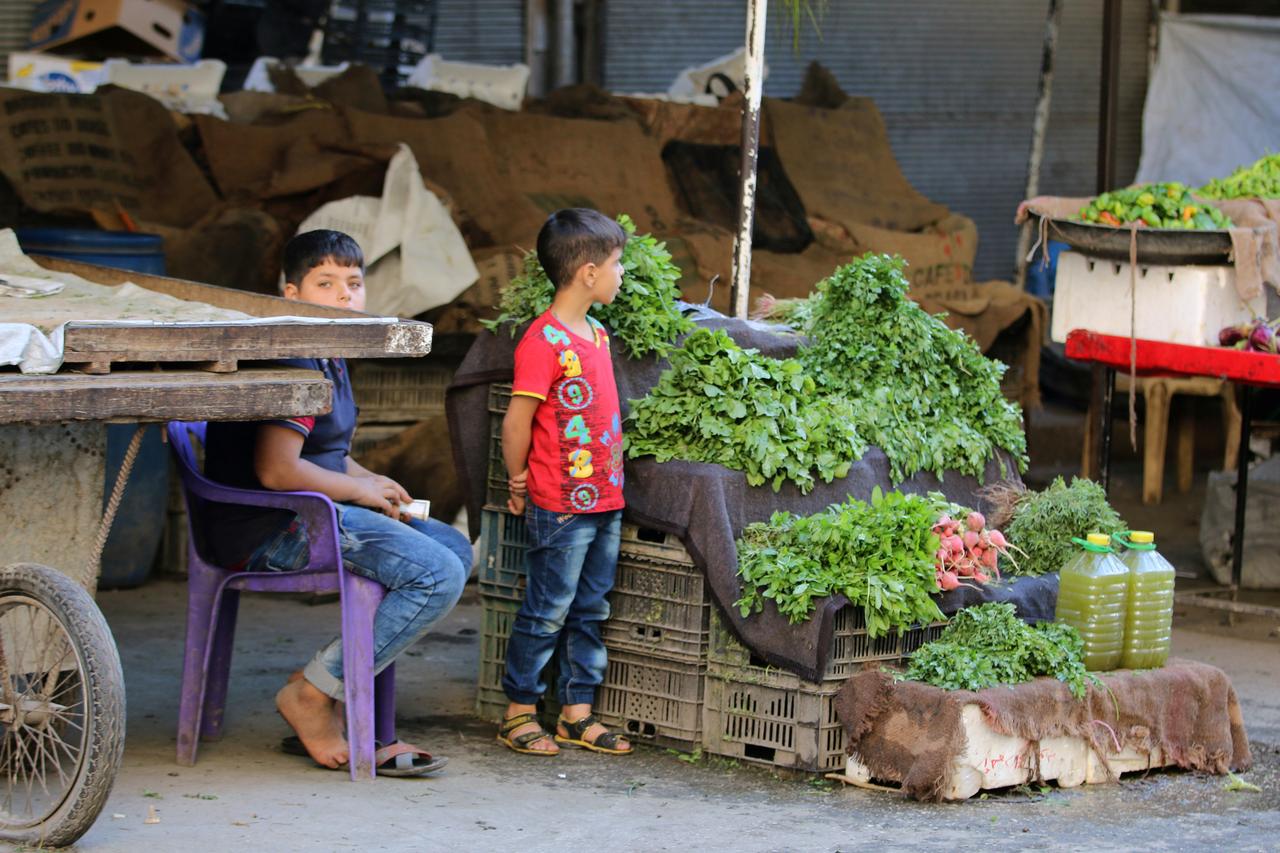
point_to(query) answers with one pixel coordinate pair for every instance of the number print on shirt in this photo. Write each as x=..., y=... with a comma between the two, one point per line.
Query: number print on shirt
x=571, y=363
x=584, y=497
x=577, y=428
x=554, y=336
x=575, y=393
x=580, y=464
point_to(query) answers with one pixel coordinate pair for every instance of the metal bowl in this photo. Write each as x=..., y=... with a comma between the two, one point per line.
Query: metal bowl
x=1155, y=245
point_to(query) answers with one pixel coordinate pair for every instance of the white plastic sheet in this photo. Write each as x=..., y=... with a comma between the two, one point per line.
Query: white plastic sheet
x=1214, y=101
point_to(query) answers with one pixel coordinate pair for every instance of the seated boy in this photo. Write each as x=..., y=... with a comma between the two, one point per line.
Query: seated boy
x=562, y=442
x=422, y=565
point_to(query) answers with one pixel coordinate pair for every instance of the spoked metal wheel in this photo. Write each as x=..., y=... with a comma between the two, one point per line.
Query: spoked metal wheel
x=62, y=711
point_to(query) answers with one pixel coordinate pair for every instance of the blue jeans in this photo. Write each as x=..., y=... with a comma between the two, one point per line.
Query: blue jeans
x=570, y=564
x=422, y=565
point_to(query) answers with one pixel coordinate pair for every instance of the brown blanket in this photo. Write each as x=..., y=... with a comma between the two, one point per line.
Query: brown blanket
x=909, y=732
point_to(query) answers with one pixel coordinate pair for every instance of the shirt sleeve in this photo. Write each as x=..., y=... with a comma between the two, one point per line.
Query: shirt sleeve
x=536, y=368
x=302, y=425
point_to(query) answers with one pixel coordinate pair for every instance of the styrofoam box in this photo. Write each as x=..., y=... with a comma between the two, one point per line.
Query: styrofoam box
x=1181, y=305
x=43, y=72
x=500, y=85
x=200, y=80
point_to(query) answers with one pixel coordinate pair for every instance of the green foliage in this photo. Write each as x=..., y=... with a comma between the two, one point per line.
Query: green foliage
x=1261, y=180
x=989, y=645
x=1168, y=205
x=644, y=316
x=720, y=403
x=922, y=392
x=1044, y=522
x=879, y=554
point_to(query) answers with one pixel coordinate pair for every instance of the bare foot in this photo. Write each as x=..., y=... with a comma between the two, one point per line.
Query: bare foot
x=543, y=744
x=311, y=714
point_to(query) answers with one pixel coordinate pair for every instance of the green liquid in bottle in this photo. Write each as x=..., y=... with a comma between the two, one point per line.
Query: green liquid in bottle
x=1149, y=617
x=1092, y=592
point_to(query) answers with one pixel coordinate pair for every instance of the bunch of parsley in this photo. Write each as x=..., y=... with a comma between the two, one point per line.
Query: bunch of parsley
x=989, y=645
x=1044, y=523
x=878, y=553
x=644, y=316
x=732, y=406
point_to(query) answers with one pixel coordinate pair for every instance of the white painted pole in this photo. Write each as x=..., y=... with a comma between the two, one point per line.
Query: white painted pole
x=757, y=11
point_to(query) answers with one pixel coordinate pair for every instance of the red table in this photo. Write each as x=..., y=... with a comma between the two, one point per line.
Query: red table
x=1156, y=358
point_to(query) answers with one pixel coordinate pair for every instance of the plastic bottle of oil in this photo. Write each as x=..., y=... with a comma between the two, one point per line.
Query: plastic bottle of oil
x=1149, y=606
x=1092, y=589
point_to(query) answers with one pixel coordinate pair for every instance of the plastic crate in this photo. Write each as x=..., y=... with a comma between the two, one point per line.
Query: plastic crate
x=851, y=647
x=496, y=490
x=659, y=608
x=498, y=616
x=652, y=701
x=503, y=540
x=367, y=435
x=653, y=544
x=499, y=397
x=399, y=390
x=794, y=726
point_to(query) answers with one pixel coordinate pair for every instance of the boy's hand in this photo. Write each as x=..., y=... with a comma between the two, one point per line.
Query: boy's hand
x=519, y=483
x=401, y=496
x=515, y=504
x=384, y=497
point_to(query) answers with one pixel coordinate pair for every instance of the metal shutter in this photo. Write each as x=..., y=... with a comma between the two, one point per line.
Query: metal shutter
x=489, y=31
x=15, y=23
x=956, y=83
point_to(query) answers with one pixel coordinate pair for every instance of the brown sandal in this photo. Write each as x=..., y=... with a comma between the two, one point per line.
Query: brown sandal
x=606, y=742
x=522, y=743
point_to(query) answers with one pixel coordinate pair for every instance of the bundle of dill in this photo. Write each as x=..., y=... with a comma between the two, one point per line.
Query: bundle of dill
x=1044, y=522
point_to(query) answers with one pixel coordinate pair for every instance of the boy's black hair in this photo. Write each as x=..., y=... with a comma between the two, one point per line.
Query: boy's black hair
x=310, y=249
x=576, y=236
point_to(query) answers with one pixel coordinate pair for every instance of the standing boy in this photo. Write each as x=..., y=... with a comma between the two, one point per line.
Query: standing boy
x=562, y=443
x=422, y=564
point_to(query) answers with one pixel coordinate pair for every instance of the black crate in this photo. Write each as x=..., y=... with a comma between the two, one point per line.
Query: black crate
x=503, y=540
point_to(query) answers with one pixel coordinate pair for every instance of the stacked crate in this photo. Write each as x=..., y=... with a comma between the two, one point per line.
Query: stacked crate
x=677, y=676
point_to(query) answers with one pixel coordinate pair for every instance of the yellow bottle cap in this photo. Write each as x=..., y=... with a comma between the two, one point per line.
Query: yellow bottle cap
x=1141, y=537
x=1099, y=539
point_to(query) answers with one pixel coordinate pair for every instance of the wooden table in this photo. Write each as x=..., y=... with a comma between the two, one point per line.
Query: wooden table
x=1250, y=370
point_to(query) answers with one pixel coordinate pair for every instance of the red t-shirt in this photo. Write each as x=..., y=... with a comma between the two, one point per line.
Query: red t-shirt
x=575, y=456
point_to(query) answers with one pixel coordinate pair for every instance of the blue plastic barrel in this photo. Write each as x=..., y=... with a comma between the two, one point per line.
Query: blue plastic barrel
x=131, y=547
x=1040, y=280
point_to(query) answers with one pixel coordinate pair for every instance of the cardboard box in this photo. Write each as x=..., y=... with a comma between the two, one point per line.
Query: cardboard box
x=43, y=72
x=110, y=28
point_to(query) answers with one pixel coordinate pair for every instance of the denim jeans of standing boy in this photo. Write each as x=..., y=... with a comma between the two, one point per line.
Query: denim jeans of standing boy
x=570, y=564
x=423, y=566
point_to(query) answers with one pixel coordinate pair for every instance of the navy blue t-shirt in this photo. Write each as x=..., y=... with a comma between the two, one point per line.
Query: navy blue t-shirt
x=233, y=532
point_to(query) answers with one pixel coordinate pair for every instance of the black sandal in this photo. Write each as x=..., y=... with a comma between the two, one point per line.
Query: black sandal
x=607, y=742
x=522, y=743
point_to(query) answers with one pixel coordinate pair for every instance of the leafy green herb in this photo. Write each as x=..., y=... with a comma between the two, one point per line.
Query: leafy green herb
x=721, y=403
x=923, y=393
x=879, y=554
x=644, y=316
x=1044, y=523
x=1238, y=784
x=989, y=645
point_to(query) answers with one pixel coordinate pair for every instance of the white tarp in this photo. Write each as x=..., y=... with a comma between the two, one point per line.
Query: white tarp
x=415, y=257
x=1214, y=101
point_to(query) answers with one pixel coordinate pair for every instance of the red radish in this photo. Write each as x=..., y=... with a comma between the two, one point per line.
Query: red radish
x=976, y=521
x=989, y=559
x=955, y=543
x=998, y=540
x=948, y=581
x=964, y=568
x=980, y=577
x=970, y=539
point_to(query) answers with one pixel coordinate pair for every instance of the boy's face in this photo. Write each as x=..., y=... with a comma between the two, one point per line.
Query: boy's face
x=605, y=278
x=330, y=284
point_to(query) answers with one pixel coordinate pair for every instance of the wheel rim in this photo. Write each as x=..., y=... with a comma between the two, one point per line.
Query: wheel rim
x=43, y=714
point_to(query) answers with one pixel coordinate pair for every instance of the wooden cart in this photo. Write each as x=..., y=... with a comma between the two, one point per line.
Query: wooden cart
x=62, y=717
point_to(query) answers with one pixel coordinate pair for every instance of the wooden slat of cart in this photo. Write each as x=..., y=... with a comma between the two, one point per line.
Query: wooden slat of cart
x=189, y=395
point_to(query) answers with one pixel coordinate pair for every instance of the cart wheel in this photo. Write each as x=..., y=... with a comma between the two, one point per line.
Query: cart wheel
x=61, y=707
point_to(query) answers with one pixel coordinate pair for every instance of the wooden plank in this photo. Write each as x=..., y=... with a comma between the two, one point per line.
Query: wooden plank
x=192, y=395
x=168, y=342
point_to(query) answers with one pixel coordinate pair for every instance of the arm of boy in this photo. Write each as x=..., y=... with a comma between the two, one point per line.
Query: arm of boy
x=517, y=432
x=278, y=463
x=355, y=469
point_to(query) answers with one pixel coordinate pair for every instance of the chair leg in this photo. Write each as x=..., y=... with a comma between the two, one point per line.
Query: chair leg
x=1186, y=444
x=384, y=706
x=220, y=648
x=360, y=599
x=1156, y=439
x=1230, y=425
x=202, y=598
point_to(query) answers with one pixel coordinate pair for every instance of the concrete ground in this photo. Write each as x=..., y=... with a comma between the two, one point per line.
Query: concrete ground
x=244, y=793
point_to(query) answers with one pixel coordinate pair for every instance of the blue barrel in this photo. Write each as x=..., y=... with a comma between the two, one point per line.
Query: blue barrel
x=120, y=249
x=135, y=534
x=1040, y=279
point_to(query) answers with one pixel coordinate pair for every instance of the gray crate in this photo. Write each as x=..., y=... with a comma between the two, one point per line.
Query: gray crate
x=659, y=608
x=653, y=701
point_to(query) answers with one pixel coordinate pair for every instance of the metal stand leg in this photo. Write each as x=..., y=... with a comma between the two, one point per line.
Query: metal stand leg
x=1108, y=394
x=1242, y=489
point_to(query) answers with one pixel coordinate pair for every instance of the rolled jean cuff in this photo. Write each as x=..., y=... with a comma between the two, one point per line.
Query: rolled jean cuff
x=318, y=675
x=523, y=698
x=580, y=696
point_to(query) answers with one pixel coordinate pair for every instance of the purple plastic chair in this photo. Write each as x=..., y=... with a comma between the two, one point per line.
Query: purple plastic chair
x=213, y=599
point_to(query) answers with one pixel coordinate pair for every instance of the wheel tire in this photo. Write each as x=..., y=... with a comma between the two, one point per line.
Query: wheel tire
x=103, y=686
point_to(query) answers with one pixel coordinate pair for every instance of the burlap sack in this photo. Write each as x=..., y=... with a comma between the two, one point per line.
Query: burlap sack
x=267, y=107
x=841, y=164
x=665, y=121
x=939, y=254
x=455, y=152
x=497, y=267
x=110, y=151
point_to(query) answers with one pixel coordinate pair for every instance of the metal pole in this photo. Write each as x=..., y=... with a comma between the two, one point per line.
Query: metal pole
x=1038, y=128
x=535, y=45
x=757, y=11
x=564, y=65
x=1109, y=96
x=1242, y=489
